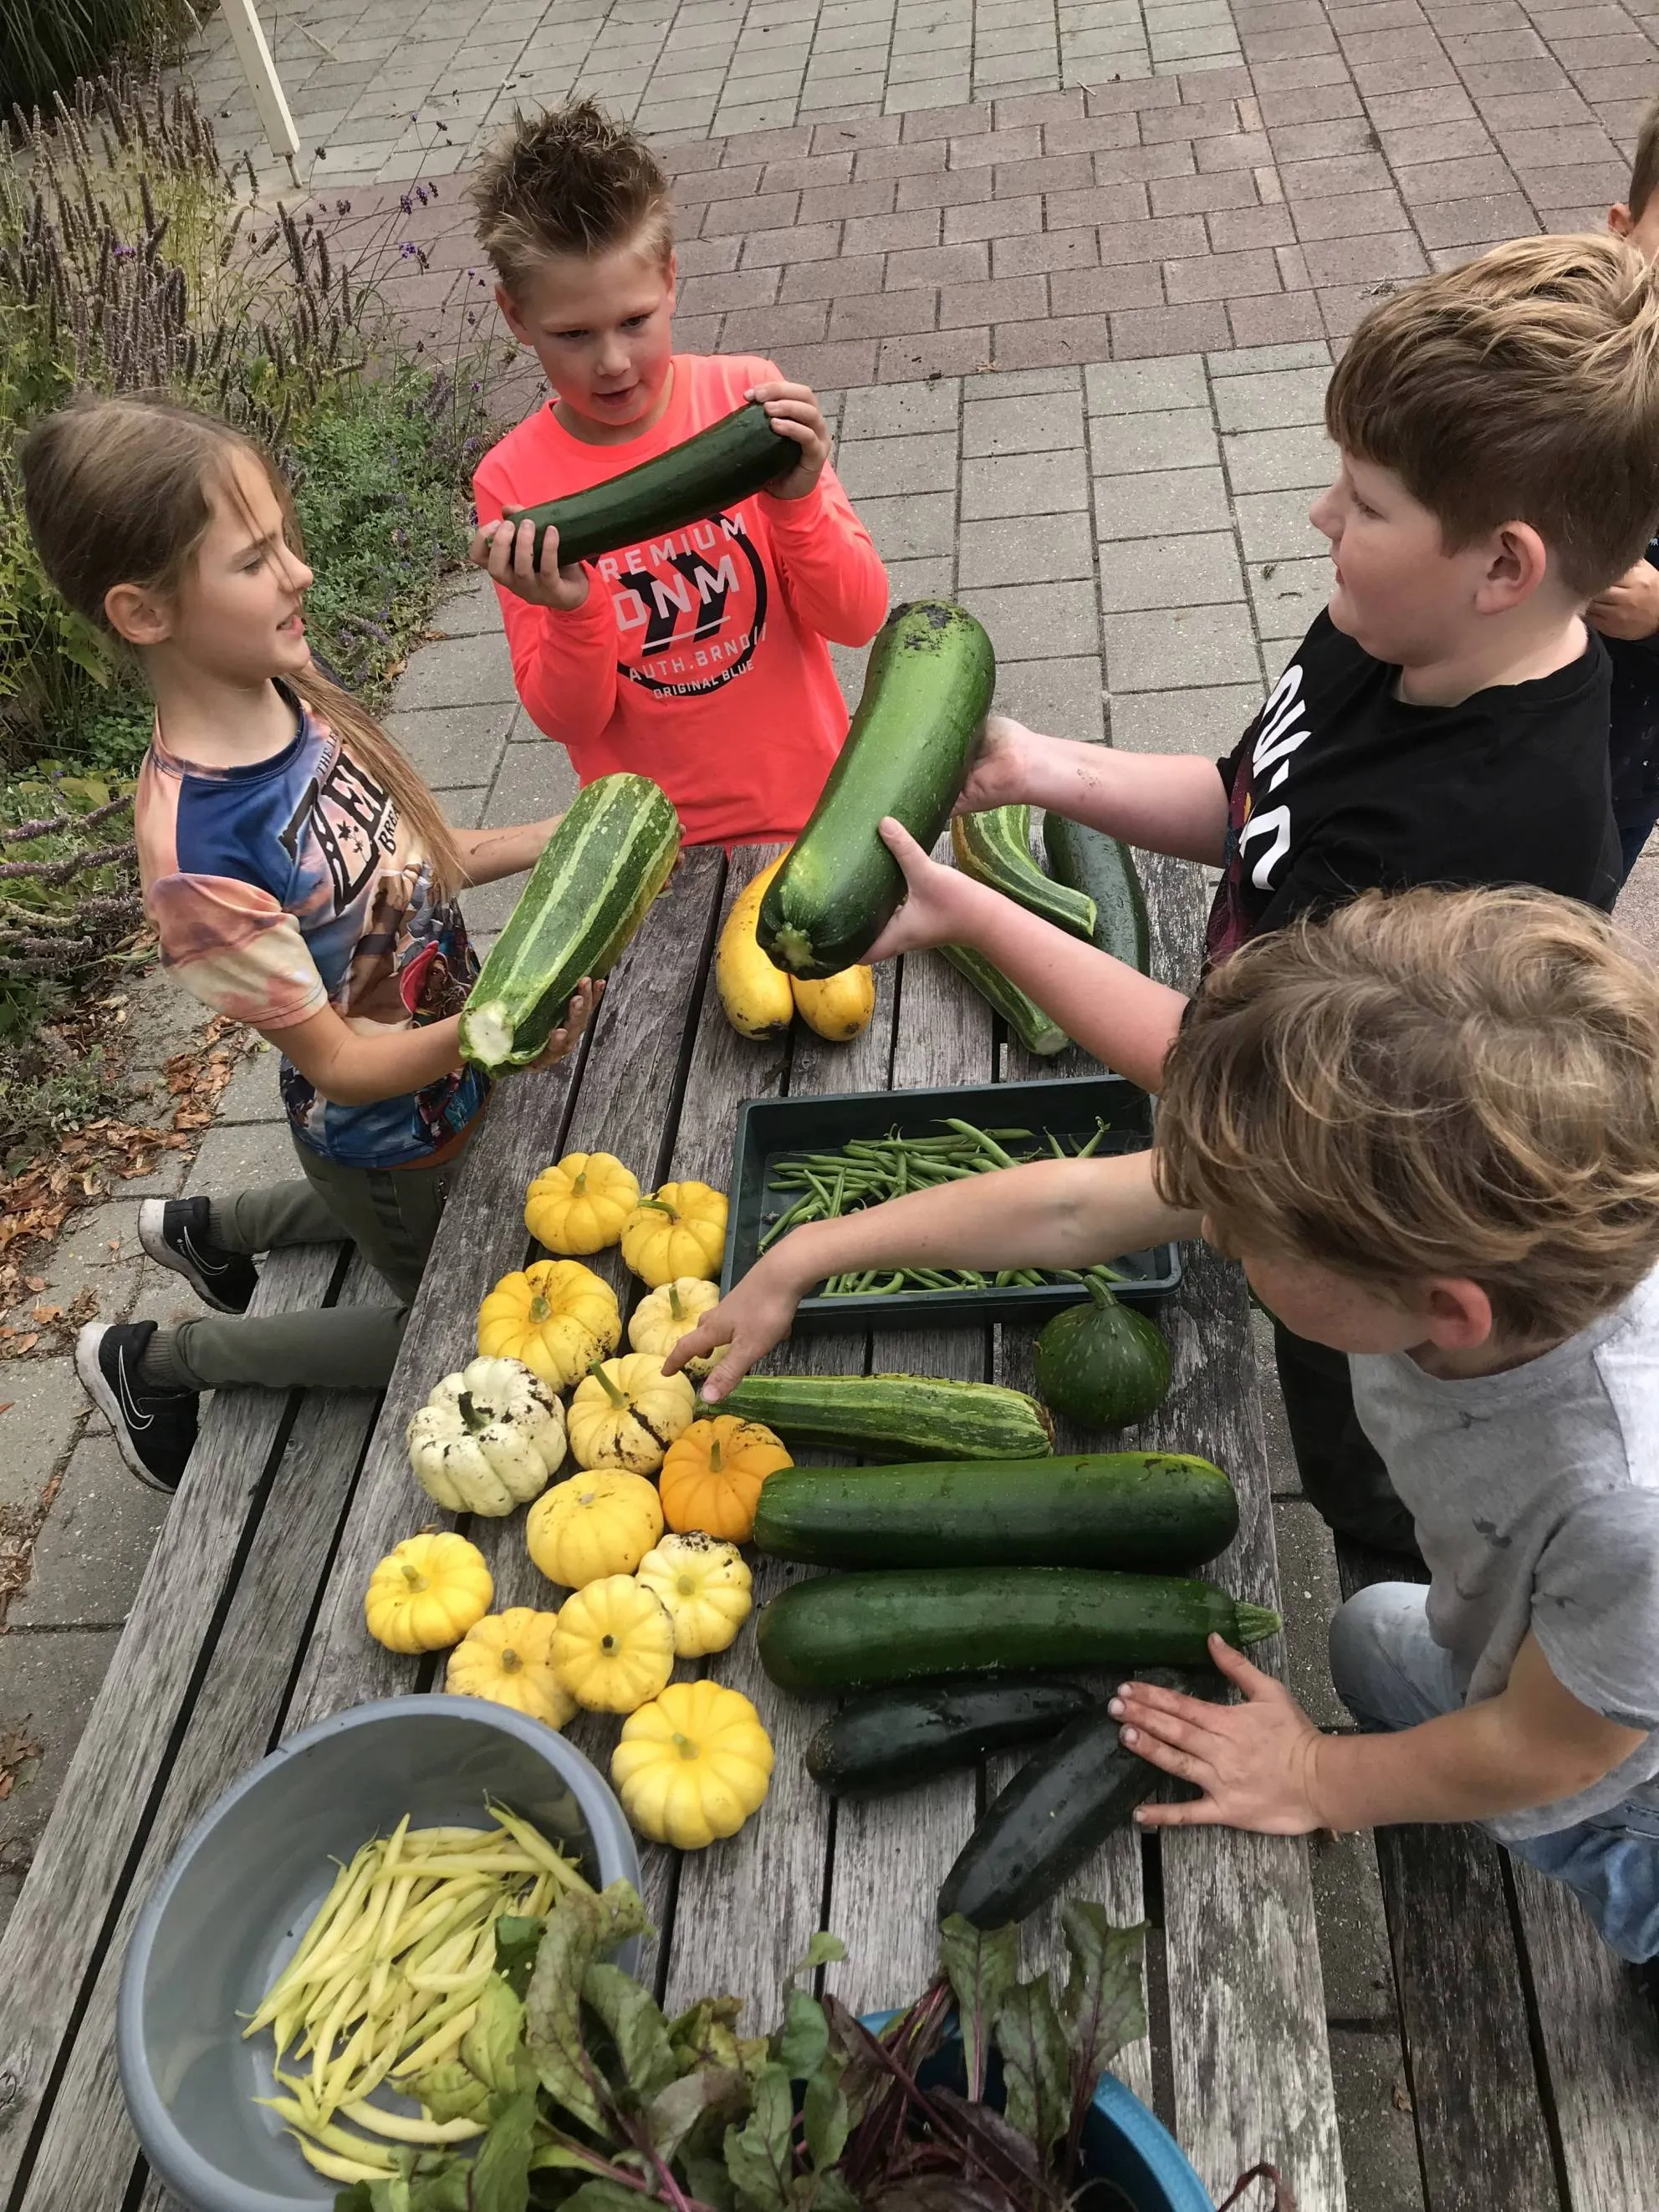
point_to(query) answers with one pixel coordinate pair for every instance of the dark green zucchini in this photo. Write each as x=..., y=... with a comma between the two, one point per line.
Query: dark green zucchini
x=994, y=848
x=1099, y=866
x=1063, y=1803
x=1024, y=1016
x=849, y=1632
x=897, y=1416
x=732, y=458
x=1151, y=1511
x=926, y=687
x=898, y=1739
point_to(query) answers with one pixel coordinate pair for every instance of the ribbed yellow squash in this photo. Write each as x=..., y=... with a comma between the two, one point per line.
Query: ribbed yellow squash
x=507, y=1658
x=594, y=1525
x=626, y=1411
x=706, y=1586
x=614, y=1646
x=680, y=1229
x=579, y=1204
x=692, y=1765
x=428, y=1593
x=755, y=995
x=661, y=1320
x=557, y=1315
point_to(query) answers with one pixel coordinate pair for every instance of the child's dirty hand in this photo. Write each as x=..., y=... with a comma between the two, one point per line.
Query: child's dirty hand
x=1257, y=1763
x=1001, y=773
x=507, y=554
x=933, y=910
x=1629, y=608
x=795, y=415
x=584, y=1000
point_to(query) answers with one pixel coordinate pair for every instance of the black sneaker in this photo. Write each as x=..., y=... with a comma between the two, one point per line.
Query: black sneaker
x=155, y=1428
x=175, y=1233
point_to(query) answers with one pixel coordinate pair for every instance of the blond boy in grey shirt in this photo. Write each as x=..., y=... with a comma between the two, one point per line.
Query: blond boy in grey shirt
x=1429, y=1128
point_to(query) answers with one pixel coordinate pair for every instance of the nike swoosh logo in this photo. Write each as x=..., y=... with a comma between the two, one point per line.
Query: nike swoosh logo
x=199, y=1259
x=132, y=1413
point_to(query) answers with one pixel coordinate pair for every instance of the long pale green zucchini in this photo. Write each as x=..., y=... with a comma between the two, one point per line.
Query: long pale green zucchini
x=926, y=688
x=739, y=454
x=586, y=896
x=897, y=1416
x=1024, y=1016
x=995, y=848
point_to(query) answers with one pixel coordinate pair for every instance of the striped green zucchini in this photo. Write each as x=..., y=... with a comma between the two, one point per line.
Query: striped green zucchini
x=732, y=458
x=1024, y=1016
x=926, y=687
x=588, y=893
x=995, y=848
x=897, y=1416
x=1093, y=862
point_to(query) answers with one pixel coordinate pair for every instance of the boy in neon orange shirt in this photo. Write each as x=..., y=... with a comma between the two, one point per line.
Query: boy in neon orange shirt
x=698, y=658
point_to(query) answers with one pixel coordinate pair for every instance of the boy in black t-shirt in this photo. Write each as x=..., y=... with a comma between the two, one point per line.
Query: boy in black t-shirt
x=1444, y=721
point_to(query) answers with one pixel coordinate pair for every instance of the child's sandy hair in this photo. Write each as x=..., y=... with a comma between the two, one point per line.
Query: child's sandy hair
x=119, y=491
x=1430, y=1083
x=573, y=181
x=1523, y=386
x=1644, y=169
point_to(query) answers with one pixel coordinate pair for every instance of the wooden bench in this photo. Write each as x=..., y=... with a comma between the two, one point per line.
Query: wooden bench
x=1534, y=2075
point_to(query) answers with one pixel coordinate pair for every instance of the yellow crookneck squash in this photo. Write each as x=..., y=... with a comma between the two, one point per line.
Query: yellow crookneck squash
x=680, y=1229
x=506, y=1658
x=557, y=1315
x=594, y=1525
x=838, y=1007
x=614, y=1646
x=626, y=1412
x=692, y=1765
x=580, y=1205
x=664, y=1316
x=755, y=993
x=706, y=1587
x=428, y=1593
x=712, y=1475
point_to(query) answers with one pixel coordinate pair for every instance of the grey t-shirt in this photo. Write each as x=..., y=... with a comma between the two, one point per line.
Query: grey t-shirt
x=1536, y=1498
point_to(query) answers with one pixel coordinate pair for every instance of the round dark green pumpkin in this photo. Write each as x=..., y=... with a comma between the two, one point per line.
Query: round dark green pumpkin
x=1101, y=1364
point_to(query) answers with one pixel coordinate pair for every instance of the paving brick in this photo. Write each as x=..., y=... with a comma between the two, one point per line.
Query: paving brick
x=1146, y=386
x=742, y=182
x=1182, y=646
x=1051, y=173
x=1599, y=181
x=1091, y=134
x=1201, y=120
x=763, y=330
x=1171, y=438
x=1352, y=214
x=1154, y=572
x=1164, y=238
x=45, y=1409
x=1028, y=255
x=884, y=314
x=1136, y=165
x=1290, y=76
x=1287, y=594
x=1543, y=75
x=1037, y=621
x=1221, y=276
x=905, y=413
x=89, y=1557
x=1011, y=300
x=960, y=122
x=937, y=353
x=1362, y=260
x=1274, y=525
x=1020, y=218
x=969, y=263
x=1207, y=721
x=885, y=234
x=738, y=287
x=1024, y=549
x=1436, y=103
x=459, y=743
x=1058, y=338
x=833, y=279
x=704, y=257
x=1473, y=221
x=1263, y=360
x=1308, y=103
x=461, y=671
x=1024, y=483
x=757, y=211
x=919, y=461
x=814, y=242
x=925, y=158
x=1045, y=107
x=914, y=527
x=839, y=138
x=1201, y=195
x=947, y=189
x=995, y=149
x=1280, y=460
x=1140, y=331
x=1061, y=696
x=1116, y=98
x=829, y=202
x=1337, y=174
x=1048, y=424
x=808, y=171
x=1161, y=503
x=1103, y=291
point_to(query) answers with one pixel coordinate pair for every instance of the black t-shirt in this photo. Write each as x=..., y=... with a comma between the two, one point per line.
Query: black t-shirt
x=1339, y=786
x=1633, y=737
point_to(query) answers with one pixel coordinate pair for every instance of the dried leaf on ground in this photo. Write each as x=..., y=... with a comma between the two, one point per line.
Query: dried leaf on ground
x=18, y=1749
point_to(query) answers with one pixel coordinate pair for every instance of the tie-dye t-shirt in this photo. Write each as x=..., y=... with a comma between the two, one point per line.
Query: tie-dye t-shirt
x=290, y=884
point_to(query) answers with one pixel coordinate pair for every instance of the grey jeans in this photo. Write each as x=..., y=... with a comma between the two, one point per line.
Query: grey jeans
x=391, y=1214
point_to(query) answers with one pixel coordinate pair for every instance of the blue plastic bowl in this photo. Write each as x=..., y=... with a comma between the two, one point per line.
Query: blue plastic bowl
x=245, y=1884
x=1122, y=2142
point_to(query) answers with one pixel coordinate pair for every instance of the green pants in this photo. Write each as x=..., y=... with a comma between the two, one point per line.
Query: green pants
x=391, y=1215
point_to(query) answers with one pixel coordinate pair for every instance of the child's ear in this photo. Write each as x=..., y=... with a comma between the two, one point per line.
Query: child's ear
x=510, y=315
x=1459, y=1314
x=137, y=616
x=1518, y=564
x=1621, y=220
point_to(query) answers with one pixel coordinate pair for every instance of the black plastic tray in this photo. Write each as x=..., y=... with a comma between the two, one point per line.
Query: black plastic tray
x=770, y=1130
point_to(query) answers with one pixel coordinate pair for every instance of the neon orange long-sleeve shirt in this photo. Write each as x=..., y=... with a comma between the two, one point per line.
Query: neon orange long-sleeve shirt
x=698, y=658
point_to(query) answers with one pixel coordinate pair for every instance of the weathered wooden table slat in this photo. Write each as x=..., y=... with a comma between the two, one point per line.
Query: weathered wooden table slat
x=248, y=1626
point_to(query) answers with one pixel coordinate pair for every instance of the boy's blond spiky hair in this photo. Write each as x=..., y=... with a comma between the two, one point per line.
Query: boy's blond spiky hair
x=1430, y=1083
x=1521, y=387
x=574, y=181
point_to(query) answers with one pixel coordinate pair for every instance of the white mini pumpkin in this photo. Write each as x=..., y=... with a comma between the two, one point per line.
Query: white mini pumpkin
x=487, y=1439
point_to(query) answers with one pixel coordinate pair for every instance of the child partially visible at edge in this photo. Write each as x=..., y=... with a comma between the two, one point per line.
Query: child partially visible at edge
x=698, y=658
x=301, y=878
x=1627, y=613
x=1444, y=721
x=1429, y=1128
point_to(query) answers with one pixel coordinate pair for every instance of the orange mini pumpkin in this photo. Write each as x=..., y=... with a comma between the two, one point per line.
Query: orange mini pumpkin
x=712, y=1475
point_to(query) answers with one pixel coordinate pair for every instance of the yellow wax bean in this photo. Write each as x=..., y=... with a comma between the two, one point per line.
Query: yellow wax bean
x=439, y=2044
x=401, y=2129
x=338, y=2169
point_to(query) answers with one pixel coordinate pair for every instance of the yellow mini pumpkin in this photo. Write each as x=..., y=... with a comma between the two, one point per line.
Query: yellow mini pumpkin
x=594, y=1525
x=706, y=1586
x=627, y=1412
x=663, y=1317
x=507, y=1658
x=428, y=1593
x=614, y=1645
x=557, y=1317
x=680, y=1229
x=838, y=1007
x=692, y=1765
x=580, y=1205
x=712, y=1475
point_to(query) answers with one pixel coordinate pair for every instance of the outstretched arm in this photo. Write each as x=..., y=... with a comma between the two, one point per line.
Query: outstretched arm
x=1172, y=803
x=1055, y=1213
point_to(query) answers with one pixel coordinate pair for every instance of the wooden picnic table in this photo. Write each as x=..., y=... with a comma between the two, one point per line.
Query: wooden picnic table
x=1532, y=2067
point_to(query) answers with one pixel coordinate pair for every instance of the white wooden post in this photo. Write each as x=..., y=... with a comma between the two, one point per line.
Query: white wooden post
x=260, y=71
